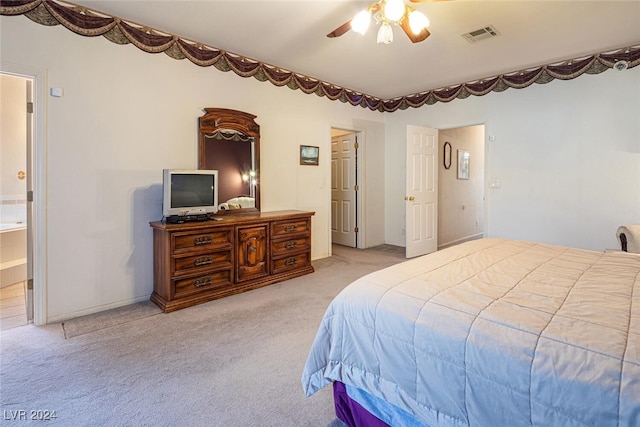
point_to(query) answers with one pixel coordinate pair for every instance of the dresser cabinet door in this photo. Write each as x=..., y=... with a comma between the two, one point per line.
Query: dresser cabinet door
x=252, y=253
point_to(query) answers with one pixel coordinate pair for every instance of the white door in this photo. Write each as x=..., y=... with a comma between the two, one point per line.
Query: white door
x=343, y=189
x=421, y=196
x=29, y=144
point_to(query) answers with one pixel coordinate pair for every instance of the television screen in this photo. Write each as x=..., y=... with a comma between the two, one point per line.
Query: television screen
x=189, y=190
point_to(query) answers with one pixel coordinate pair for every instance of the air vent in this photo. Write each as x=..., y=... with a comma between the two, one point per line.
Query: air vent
x=481, y=34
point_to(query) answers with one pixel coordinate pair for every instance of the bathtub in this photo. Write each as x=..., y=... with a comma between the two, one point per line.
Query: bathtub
x=13, y=253
x=12, y=226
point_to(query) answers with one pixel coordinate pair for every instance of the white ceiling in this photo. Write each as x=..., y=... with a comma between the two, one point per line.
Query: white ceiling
x=292, y=35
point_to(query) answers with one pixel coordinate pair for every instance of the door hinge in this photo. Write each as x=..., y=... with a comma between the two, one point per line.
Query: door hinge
x=29, y=107
x=355, y=229
x=30, y=284
x=356, y=145
x=30, y=196
x=355, y=188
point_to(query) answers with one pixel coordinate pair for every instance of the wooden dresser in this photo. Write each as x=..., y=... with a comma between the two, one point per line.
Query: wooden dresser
x=197, y=262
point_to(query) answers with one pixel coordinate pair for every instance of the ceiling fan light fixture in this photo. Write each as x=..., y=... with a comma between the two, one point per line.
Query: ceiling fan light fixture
x=418, y=21
x=385, y=34
x=394, y=10
x=388, y=13
x=360, y=22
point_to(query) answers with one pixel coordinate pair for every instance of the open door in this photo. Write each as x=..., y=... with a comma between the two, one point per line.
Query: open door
x=29, y=143
x=344, y=189
x=421, y=195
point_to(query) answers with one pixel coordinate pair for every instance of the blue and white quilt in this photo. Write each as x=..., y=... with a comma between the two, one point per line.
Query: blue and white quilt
x=491, y=332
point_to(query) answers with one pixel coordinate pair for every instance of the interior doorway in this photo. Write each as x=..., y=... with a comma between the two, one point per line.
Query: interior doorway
x=16, y=143
x=461, y=193
x=345, y=189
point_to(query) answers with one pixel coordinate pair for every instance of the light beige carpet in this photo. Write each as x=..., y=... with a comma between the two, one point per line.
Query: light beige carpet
x=117, y=316
x=109, y=318
x=236, y=361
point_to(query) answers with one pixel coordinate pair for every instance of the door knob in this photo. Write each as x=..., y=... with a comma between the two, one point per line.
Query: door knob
x=409, y=198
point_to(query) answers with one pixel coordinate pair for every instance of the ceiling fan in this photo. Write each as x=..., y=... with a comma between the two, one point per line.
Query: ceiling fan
x=387, y=13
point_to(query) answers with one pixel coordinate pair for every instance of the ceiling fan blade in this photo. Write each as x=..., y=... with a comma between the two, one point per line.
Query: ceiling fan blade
x=372, y=9
x=404, y=24
x=340, y=30
x=415, y=38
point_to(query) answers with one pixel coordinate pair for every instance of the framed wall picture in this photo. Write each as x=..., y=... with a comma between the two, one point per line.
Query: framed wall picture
x=463, y=164
x=309, y=155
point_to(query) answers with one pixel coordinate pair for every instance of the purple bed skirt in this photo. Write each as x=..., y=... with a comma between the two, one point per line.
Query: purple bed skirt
x=351, y=412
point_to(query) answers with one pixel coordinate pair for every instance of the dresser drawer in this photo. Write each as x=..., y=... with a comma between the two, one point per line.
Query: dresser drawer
x=284, y=247
x=202, y=262
x=203, y=283
x=286, y=228
x=289, y=263
x=211, y=239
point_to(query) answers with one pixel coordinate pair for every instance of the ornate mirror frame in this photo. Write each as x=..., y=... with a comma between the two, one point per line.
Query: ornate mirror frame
x=227, y=122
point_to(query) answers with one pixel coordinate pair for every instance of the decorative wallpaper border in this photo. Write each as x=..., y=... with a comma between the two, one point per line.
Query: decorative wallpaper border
x=90, y=23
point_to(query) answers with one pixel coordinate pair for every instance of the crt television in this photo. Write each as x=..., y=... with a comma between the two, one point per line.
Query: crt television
x=189, y=192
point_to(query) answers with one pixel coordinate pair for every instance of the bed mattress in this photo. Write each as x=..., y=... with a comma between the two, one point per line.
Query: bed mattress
x=491, y=332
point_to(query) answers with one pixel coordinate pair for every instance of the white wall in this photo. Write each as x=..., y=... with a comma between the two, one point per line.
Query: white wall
x=567, y=155
x=125, y=115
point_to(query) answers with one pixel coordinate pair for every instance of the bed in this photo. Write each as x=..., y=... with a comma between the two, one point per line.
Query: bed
x=491, y=332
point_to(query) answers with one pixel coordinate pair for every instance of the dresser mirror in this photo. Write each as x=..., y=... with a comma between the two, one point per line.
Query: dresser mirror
x=229, y=142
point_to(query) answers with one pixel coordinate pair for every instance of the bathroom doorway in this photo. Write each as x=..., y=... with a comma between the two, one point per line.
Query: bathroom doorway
x=16, y=142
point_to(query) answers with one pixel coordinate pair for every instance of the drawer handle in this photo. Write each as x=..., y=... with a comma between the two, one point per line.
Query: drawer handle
x=290, y=245
x=203, y=260
x=252, y=249
x=202, y=240
x=290, y=228
x=290, y=261
x=202, y=282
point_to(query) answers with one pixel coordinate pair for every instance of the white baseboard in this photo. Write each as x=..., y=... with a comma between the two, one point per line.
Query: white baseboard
x=462, y=240
x=93, y=310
